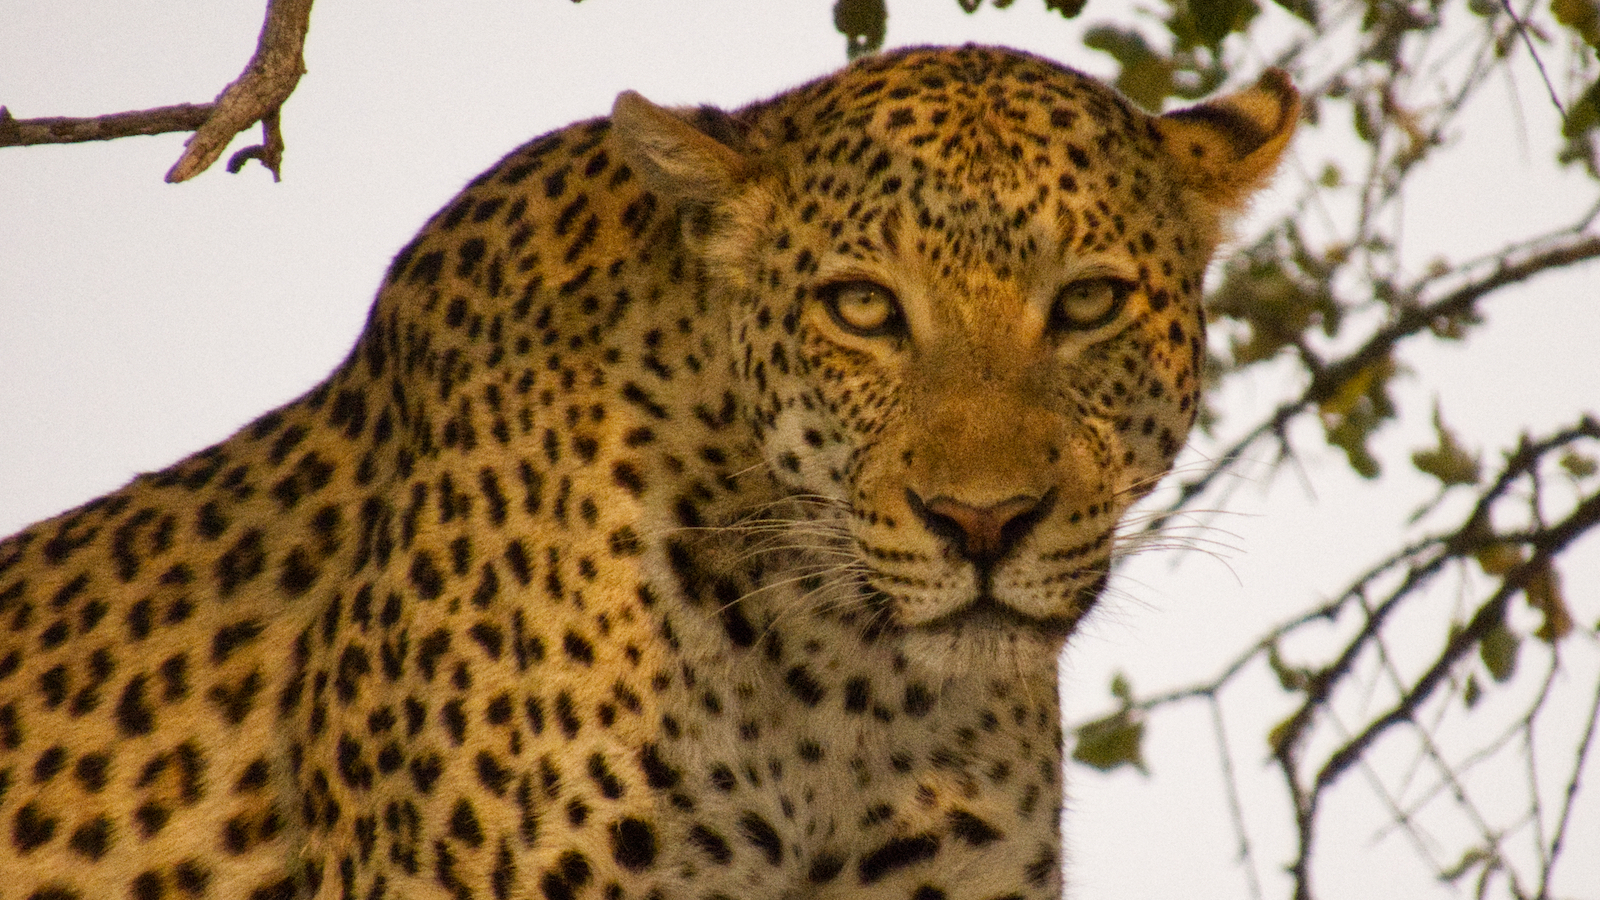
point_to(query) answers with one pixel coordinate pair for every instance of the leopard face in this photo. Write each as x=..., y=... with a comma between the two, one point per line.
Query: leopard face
x=969, y=309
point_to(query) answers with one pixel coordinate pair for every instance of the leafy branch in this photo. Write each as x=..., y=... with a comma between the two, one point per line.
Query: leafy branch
x=1330, y=379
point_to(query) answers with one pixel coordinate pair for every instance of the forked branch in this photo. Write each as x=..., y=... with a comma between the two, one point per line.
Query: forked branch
x=255, y=96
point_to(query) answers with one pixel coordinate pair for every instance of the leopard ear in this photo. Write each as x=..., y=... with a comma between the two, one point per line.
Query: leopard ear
x=1225, y=149
x=673, y=156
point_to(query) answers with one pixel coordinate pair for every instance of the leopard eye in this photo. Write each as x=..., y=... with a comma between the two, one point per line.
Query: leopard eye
x=1088, y=304
x=863, y=308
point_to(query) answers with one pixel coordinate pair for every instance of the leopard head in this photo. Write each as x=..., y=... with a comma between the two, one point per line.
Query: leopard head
x=964, y=294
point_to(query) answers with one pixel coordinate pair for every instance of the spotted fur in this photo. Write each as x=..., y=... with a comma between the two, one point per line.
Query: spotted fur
x=699, y=515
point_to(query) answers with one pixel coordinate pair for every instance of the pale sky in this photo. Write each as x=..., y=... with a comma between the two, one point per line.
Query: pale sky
x=141, y=321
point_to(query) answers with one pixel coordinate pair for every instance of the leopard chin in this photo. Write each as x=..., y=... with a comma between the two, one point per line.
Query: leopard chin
x=985, y=637
x=986, y=614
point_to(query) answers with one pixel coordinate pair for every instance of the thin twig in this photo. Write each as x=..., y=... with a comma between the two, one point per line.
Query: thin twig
x=1570, y=796
x=1522, y=31
x=1235, y=807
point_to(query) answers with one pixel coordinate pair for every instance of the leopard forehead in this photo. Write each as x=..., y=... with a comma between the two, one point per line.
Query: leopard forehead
x=973, y=115
x=967, y=168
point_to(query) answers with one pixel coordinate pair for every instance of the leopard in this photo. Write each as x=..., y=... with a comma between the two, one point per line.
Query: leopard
x=700, y=513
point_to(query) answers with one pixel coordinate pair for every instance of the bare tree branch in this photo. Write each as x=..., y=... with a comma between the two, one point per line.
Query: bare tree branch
x=258, y=93
x=255, y=96
x=1414, y=566
x=1489, y=615
x=65, y=130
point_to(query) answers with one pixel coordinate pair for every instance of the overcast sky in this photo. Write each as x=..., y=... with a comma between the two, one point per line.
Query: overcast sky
x=141, y=321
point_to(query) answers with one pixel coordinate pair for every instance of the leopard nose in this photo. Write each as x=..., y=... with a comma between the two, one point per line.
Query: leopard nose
x=982, y=534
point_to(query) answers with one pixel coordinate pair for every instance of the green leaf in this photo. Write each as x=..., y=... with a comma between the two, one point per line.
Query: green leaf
x=1069, y=9
x=1584, y=114
x=1112, y=742
x=1212, y=20
x=1354, y=411
x=1352, y=439
x=1543, y=591
x=1122, y=689
x=1578, y=465
x=1305, y=10
x=1280, y=289
x=1366, y=128
x=1146, y=76
x=1448, y=462
x=1280, y=733
x=1583, y=117
x=1498, y=650
x=1498, y=558
x=864, y=23
x=1472, y=692
x=1582, y=16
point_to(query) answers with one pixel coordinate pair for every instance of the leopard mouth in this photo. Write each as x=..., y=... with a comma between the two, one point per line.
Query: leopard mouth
x=983, y=614
x=987, y=614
